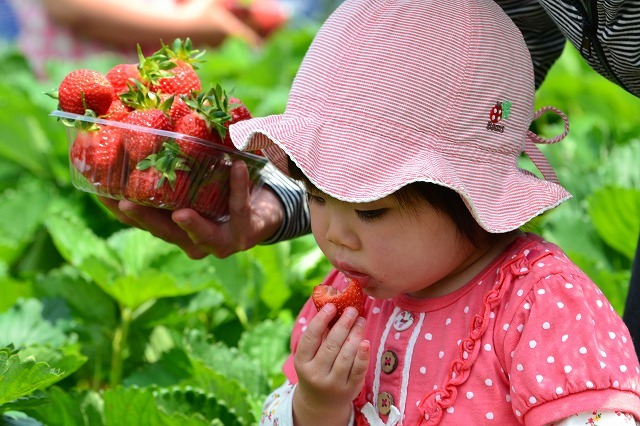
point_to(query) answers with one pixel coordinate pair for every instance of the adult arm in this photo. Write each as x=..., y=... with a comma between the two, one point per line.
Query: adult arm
x=131, y=22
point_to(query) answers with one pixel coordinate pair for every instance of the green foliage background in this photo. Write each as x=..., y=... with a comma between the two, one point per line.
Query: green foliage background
x=101, y=324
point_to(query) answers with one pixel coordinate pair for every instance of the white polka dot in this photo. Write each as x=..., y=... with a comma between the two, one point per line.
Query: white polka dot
x=489, y=416
x=578, y=317
x=518, y=413
x=582, y=350
x=465, y=354
x=612, y=335
x=565, y=337
x=539, y=378
x=508, y=398
x=440, y=354
x=568, y=285
x=540, y=264
x=302, y=320
x=520, y=292
x=616, y=384
x=532, y=344
x=526, y=306
x=568, y=368
x=599, y=303
x=469, y=395
x=526, y=252
x=450, y=410
x=623, y=368
x=448, y=321
x=559, y=390
x=487, y=347
x=533, y=400
x=376, y=310
x=423, y=370
x=466, y=309
x=304, y=328
x=505, y=327
x=551, y=360
x=602, y=364
x=520, y=328
x=589, y=384
x=603, y=353
x=492, y=314
x=519, y=367
x=488, y=382
x=397, y=336
x=624, y=339
x=428, y=336
x=560, y=305
x=541, y=291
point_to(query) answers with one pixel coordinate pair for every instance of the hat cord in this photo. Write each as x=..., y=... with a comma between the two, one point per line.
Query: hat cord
x=534, y=153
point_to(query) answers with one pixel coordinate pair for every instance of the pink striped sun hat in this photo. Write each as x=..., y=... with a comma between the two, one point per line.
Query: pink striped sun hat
x=392, y=92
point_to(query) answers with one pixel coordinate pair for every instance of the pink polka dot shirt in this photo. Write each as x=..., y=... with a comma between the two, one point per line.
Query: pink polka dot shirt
x=530, y=340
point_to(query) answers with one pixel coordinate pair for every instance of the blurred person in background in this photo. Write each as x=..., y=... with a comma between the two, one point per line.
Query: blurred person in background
x=74, y=29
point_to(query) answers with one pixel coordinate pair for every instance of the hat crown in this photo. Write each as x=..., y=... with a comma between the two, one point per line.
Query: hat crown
x=441, y=68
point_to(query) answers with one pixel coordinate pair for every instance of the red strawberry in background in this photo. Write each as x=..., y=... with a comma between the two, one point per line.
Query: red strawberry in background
x=99, y=156
x=350, y=296
x=84, y=89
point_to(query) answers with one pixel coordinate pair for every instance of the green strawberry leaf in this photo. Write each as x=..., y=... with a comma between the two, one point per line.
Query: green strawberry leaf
x=620, y=231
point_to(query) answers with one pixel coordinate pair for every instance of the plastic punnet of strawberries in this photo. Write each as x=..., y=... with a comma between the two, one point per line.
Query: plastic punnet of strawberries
x=149, y=133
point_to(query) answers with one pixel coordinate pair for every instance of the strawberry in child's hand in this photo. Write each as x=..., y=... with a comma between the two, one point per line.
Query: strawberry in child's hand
x=84, y=89
x=350, y=296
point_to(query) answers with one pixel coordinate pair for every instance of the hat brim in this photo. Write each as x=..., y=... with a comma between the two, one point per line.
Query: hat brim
x=508, y=200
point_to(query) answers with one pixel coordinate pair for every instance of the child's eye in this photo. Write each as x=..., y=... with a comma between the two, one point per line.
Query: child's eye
x=369, y=215
x=315, y=199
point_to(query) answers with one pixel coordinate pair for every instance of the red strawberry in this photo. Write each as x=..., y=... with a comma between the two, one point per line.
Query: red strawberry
x=149, y=111
x=117, y=111
x=171, y=69
x=84, y=89
x=120, y=76
x=139, y=144
x=211, y=200
x=238, y=112
x=196, y=125
x=151, y=187
x=178, y=109
x=99, y=156
x=350, y=296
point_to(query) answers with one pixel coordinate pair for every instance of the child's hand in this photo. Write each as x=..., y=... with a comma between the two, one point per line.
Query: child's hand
x=331, y=367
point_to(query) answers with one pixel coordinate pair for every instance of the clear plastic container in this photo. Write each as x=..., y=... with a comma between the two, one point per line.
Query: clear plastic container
x=153, y=167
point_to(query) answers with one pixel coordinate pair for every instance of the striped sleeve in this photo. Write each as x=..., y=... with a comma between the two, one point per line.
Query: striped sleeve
x=296, y=221
x=543, y=38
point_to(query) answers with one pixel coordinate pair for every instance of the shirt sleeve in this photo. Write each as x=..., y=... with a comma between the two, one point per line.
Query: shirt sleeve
x=278, y=407
x=599, y=418
x=296, y=220
x=563, y=347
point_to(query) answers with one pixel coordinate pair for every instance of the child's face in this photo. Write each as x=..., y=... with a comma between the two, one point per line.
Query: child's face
x=391, y=249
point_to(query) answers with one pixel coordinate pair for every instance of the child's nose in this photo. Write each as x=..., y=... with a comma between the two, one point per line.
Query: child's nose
x=339, y=232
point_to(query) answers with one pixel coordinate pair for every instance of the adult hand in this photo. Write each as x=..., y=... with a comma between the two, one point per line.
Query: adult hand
x=331, y=366
x=250, y=221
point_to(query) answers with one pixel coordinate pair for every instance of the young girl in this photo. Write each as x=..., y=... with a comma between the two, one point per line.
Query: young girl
x=406, y=122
